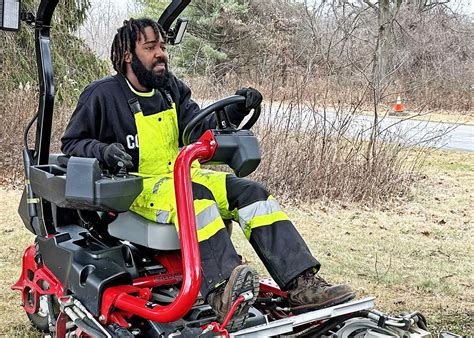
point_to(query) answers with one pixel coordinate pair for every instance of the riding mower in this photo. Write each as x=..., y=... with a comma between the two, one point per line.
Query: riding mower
x=97, y=269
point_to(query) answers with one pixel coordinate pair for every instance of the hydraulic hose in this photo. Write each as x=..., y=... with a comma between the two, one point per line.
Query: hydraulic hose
x=331, y=324
x=27, y=130
x=419, y=319
x=82, y=324
x=81, y=320
x=30, y=196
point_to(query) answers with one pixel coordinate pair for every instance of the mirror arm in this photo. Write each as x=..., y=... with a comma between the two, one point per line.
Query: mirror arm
x=176, y=34
x=172, y=12
x=28, y=17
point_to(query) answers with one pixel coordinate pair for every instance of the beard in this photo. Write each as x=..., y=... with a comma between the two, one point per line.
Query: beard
x=149, y=78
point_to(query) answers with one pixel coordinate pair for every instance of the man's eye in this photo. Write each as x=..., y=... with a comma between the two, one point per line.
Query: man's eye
x=163, y=48
x=149, y=48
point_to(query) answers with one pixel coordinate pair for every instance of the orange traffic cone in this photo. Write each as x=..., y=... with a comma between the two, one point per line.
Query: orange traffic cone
x=399, y=106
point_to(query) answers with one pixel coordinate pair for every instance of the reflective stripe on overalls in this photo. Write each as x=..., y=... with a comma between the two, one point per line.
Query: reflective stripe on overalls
x=260, y=214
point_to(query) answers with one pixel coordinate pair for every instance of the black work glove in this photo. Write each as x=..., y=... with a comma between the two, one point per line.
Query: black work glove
x=253, y=98
x=116, y=157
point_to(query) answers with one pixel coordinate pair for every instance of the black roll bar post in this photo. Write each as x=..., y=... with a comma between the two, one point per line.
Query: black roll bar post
x=171, y=13
x=39, y=210
x=45, y=79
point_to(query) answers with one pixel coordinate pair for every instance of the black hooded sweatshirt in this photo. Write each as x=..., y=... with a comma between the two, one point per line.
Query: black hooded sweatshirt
x=103, y=116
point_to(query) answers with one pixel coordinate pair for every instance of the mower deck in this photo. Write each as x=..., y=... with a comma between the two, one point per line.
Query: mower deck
x=287, y=325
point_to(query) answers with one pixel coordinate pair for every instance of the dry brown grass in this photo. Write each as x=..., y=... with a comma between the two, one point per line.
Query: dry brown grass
x=312, y=139
x=412, y=254
x=14, y=238
x=20, y=108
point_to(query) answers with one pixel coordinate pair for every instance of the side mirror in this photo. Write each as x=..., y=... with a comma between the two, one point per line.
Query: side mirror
x=175, y=34
x=10, y=15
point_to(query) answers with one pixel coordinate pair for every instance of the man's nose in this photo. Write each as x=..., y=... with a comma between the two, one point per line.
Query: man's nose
x=159, y=53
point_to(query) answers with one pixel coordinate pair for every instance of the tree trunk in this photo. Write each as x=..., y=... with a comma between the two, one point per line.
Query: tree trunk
x=386, y=13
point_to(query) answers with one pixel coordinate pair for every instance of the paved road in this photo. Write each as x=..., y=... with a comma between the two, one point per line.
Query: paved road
x=447, y=136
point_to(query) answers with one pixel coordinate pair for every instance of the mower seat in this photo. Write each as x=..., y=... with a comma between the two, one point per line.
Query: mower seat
x=138, y=230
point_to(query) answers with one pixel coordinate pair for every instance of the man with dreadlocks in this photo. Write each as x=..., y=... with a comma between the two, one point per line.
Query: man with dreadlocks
x=135, y=119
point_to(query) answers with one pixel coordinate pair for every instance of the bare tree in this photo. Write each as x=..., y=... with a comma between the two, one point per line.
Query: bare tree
x=103, y=19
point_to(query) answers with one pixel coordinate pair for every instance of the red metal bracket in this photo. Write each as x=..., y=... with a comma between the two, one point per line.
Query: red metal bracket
x=35, y=281
x=268, y=285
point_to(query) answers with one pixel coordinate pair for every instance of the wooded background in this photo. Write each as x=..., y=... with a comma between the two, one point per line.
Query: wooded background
x=343, y=58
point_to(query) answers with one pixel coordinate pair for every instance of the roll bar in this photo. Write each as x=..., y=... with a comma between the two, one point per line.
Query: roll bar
x=46, y=81
x=172, y=12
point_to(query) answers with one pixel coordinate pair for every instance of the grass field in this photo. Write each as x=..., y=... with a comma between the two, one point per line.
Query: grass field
x=411, y=254
x=466, y=118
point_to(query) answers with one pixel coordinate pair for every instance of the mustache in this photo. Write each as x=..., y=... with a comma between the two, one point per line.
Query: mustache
x=160, y=60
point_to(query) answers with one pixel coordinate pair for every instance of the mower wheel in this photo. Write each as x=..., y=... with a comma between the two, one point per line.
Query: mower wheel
x=39, y=319
x=39, y=322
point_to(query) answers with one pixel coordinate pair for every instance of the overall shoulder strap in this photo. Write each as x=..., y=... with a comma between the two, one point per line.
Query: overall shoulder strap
x=131, y=99
x=170, y=93
x=167, y=95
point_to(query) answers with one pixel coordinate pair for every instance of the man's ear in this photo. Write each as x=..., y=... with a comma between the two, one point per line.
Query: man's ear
x=128, y=57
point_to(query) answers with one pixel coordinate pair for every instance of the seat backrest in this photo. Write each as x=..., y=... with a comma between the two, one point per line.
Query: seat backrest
x=132, y=227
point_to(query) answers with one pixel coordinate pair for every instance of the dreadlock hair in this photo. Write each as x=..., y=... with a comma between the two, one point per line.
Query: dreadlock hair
x=126, y=38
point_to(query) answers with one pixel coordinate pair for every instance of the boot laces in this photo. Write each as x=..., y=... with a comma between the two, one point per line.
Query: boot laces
x=309, y=279
x=215, y=298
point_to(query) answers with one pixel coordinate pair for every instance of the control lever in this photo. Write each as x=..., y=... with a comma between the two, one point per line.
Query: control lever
x=123, y=169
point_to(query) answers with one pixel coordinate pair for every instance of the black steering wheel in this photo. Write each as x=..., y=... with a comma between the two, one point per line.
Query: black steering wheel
x=223, y=122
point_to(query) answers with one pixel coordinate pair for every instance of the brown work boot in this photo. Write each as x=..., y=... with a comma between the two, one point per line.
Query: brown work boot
x=242, y=281
x=311, y=292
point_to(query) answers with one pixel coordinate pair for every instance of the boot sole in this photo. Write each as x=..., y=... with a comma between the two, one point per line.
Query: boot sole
x=246, y=280
x=331, y=302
